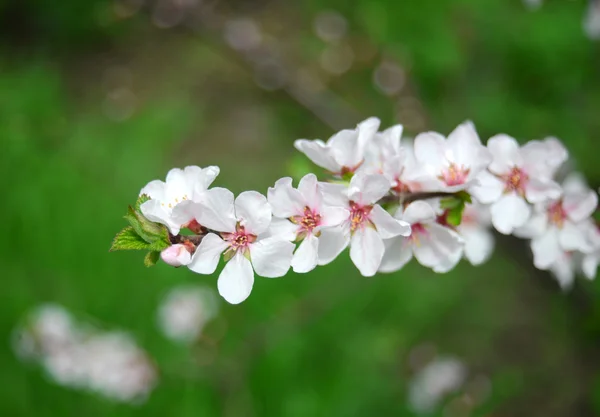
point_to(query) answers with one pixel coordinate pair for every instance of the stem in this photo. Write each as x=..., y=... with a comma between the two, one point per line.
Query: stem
x=406, y=198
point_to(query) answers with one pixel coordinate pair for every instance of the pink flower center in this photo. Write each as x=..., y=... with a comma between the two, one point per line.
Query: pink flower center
x=557, y=214
x=515, y=181
x=400, y=187
x=455, y=175
x=239, y=240
x=359, y=216
x=307, y=221
x=417, y=230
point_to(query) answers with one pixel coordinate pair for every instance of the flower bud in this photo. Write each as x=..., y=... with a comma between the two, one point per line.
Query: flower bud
x=176, y=255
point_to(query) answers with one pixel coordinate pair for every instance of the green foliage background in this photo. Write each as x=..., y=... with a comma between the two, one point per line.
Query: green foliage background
x=328, y=343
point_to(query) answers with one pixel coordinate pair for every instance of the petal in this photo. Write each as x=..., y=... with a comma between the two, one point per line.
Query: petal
x=199, y=179
x=334, y=194
x=466, y=147
x=271, y=257
x=176, y=255
x=575, y=183
x=539, y=190
x=331, y=243
x=285, y=201
x=282, y=229
x=563, y=271
x=535, y=226
x=310, y=191
x=319, y=153
x=306, y=256
x=184, y=212
x=387, y=226
x=366, y=251
x=438, y=246
x=487, y=189
x=505, y=153
x=546, y=249
x=509, y=212
x=333, y=216
x=398, y=252
x=580, y=206
x=418, y=212
x=590, y=265
x=155, y=212
x=345, y=148
x=207, y=255
x=368, y=189
x=215, y=210
x=154, y=189
x=479, y=244
x=253, y=211
x=177, y=184
x=449, y=263
x=236, y=280
x=571, y=237
x=366, y=132
x=430, y=149
x=543, y=158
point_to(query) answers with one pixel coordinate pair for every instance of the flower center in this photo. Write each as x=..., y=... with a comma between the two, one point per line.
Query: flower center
x=455, y=175
x=400, y=187
x=359, y=216
x=557, y=214
x=515, y=181
x=307, y=221
x=173, y=202
x=239, y=240
x=417, y=230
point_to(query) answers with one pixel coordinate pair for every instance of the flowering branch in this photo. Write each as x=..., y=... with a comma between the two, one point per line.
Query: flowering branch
x=387, y=199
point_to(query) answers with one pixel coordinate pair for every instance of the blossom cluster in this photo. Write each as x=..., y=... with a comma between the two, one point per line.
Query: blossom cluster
x=388, y=199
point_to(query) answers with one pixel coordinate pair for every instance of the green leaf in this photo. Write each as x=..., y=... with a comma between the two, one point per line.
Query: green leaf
x=454, y=216
x=151, y=258
x=141, y=200
x=149, y=231
x=450, y=203
x=128, y=239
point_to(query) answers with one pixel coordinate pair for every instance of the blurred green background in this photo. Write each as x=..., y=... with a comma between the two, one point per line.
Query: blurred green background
x=98, y=97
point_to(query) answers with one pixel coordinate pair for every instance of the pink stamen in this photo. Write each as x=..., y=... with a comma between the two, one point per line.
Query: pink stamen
x=557, y=214
x=307, y=221
x=359, y=216
x=455, y=175
x=515, y=181
x=239, y=240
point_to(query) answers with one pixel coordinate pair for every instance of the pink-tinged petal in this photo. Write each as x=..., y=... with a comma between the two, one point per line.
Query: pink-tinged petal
x=542, y=159
x=505, y=153
x=285, y=200
x=417, y=212
x=176, y=255
x=535, y=226
x=539, y=190
x=334, y=194
x=479, y=244
x=509, y=213
x=199, y=179
x=571, y=237
x=308, y=188
x=282, y=229
x=368, y=189
x=236, y=280
x=155, y=212
x=154, y=189
x=580, y=206
x=207, y=255
x=488, y=188
x=466, y=147
x=333, y=216
x=366, y=251
x=271, y=257
x=387, y=226
x=306, y=256
x=318, y=152
x=215, y=210
x=438, y=247
x=546, y=249
x=398, y=252
x=253, y=212
x=184, y=212
x=590, y=265
x=331, y=243
x=430, y=149
x=345, y=148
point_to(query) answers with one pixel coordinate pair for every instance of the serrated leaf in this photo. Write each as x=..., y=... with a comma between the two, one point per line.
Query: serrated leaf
x=158, y=245
x=128, y=239
x=149, y=231
x=151, y=258
x=141, y=200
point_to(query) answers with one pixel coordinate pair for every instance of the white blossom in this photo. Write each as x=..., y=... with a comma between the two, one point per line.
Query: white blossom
x=475, y=231
x=241, y=227
x=176, y=255
x=591, y=258
x=301, y=214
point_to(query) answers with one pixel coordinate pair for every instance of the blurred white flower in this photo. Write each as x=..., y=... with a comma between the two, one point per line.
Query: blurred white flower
x=475, y=230
x=185, y=310
x=591, y=20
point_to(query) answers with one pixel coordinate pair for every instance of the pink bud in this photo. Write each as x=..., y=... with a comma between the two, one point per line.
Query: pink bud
x=176, y=255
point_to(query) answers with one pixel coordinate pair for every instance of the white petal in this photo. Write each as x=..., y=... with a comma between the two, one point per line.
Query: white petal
x=310, y=191
x=488, y=188
x=430, y=149
x=575, y=183
x=505, y=153
x=236, y=280
x=450, y=262
x=535, y=226
x=271, y=257
x=467, y=149
x=282, y=228
x=387, y=226
x=571, y=237
x=306, y=256
x=345, y=148
x=334, y=194
x=368, y=189
x=207, y=255
x=285, y=201
x=539, y=190
x=199, y=179
x=438, y=246
x=184, y=212
x=509, y=212
x=333, y=216
x=319, y=153
x=418, y=212
x=563, y=271
x=590, y=265
x=253, y=211
x=546, y=249
x=542, y=159
x=398, y=252
x=155, y=212
x=580, y=206
x=479, y=244
x=331, y=243
x=177, y=185
x=366, y=251
x=215, y=210
x=154, y=189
